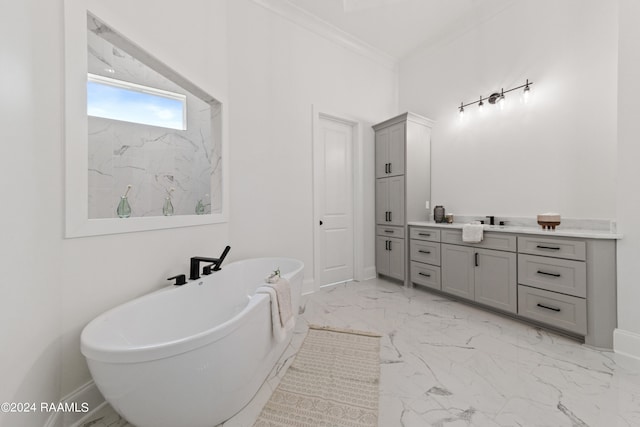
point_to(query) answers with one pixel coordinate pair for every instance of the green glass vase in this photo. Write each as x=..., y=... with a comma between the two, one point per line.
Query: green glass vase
x=124, y=209
x=167, y=209
x=199, y=207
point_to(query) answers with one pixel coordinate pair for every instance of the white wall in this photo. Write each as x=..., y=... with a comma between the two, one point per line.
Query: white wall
x=627, y=337
x=102, y=272
x=31, y=212
x=558, y=153
x=277, y=70
x=268, y=70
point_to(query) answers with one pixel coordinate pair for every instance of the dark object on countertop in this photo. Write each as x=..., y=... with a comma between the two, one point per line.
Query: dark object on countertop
x=438, y=214
x=492, y=220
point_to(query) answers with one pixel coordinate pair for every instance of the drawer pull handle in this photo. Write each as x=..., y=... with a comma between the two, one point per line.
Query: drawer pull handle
x=389, y=231
x=424, y=274
x=548, y=274
x=424, y=234
x=548, y=308
x=424, y=252
x=553, y=248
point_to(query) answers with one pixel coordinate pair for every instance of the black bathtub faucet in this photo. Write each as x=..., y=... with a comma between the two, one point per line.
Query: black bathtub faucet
x=194, y=268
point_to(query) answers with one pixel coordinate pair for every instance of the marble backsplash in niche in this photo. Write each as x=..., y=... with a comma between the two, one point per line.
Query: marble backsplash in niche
x=151, y=159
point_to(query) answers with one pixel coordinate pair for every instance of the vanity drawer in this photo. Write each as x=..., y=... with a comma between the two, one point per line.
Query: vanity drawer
x=553, y=247
x=499, y=241
x=423, y=251
x=425, y=275
x=558, y=310
x=430, y=234
x=553, y=274
x=385, y=230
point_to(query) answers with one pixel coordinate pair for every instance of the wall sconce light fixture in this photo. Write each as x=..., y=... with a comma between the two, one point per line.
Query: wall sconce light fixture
x=498, y=97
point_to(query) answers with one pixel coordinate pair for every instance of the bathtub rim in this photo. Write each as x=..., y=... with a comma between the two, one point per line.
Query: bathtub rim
x=145, y=353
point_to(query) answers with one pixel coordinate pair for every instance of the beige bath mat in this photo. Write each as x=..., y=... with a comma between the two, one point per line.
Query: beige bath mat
x=333, y=381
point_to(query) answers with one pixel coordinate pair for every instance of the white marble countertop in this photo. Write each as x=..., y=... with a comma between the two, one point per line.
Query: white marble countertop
x=558, y=232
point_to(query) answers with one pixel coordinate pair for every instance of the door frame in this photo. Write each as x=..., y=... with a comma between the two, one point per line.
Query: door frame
x=319, y=112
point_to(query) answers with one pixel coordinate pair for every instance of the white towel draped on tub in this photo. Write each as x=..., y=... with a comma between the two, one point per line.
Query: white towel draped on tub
x=472, y=233
x=282, y=318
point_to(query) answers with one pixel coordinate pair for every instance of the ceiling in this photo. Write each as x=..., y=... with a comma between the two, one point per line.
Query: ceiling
x=398, y=27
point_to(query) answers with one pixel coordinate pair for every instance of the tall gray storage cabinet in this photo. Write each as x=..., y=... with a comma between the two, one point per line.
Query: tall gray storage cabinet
x=403, y=187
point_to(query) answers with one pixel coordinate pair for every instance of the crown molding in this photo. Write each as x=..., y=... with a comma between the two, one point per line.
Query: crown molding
x=322, y=28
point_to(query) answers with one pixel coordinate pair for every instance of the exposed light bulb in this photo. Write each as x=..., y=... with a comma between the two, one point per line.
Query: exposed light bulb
x=501, y=99
x=461, y=111
x=526, y=92
x=481, y=104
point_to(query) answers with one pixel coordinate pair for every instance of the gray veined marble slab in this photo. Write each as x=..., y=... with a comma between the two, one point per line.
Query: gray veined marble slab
x=588, y=229
x=444, y=363
x=152, y=159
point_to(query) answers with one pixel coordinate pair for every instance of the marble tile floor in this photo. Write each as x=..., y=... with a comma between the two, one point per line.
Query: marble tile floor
x=446, y=363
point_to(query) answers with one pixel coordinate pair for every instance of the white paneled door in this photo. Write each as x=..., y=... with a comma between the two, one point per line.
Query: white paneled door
x=333, y=177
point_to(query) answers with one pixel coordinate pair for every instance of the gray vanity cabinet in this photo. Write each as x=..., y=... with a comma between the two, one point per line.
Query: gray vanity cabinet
x=482, y=275
x=390, y=256
x=457, y=270
x=496, y=279
x=565, y=283
x=390, y=151
x=390, y=201
x=424, y=251
x=552, y=277
x=403, y=185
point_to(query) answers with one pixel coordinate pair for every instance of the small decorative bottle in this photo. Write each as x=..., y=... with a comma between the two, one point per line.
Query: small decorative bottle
x=167, y=208
x=124, y=209
x=438, y=214
x=199, y=207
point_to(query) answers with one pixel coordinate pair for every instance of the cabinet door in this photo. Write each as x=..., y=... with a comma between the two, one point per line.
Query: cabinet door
x=457, y=270
x=496, y=279
x=396, y=149
x=382, y=152
x=396, y=258
x=382, y=201
x=395, y=194
x=382, y=255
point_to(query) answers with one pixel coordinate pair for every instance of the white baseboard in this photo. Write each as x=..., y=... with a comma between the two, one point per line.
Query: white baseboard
x=369, y=273
x=626, y=343
x=87, y=394
x=308, y=286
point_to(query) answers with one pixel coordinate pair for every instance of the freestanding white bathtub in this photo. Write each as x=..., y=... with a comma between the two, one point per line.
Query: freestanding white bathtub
x=190, y=355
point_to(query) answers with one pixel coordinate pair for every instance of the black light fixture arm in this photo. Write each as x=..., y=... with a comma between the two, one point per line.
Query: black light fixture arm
x=492, y=98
